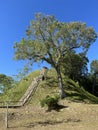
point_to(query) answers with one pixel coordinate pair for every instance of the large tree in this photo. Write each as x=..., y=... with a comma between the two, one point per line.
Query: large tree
x=49, y=40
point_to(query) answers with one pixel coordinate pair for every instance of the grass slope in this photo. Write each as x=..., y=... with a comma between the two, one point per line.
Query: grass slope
x=17, y=92
x=48, y=87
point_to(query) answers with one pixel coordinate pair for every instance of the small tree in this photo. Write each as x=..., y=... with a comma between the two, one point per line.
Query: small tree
x=6, y=82
x=51, y=102
x=49, y=40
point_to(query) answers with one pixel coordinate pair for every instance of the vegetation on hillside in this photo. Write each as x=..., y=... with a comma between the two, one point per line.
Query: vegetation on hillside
x=63, y=46
x=15, y=93
x=48, y=87
x=50, y=40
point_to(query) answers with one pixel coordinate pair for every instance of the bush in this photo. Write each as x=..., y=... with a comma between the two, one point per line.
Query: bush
x=51, y=102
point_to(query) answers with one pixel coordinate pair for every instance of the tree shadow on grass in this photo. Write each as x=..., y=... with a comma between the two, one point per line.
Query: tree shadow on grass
x=52, y=122
x=57, y=108
x=47, y=123
x=41, y=123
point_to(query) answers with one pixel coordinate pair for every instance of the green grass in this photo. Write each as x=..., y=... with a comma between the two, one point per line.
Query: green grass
x=17, y=92
x=48, y=87
x=78, y=93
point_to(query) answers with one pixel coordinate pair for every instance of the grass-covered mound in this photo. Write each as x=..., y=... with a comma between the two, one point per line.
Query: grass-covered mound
x=48, y=87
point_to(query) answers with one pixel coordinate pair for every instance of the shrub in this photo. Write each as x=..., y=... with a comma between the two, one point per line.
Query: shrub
x=51, y=102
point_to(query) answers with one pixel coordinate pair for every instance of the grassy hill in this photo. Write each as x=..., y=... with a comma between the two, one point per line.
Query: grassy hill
x=17, y=92
x=78, y=116
x=48, y=87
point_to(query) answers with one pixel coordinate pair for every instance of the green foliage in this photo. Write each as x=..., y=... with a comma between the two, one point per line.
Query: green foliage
x=51, y=102
x=50, y=40
x=76, y=65
x=94, y=75
x=6, y=83
x=49, y=87
x=94, y=66
x=15, y=93
x=78, y=93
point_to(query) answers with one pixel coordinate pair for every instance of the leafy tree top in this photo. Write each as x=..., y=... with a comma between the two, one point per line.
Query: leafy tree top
x=49, y=39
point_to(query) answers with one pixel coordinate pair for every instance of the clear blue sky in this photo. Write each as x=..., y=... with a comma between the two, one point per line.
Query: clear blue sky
x=15, y=16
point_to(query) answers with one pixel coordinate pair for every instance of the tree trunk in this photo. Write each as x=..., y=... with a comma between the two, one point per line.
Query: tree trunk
x=60, y=84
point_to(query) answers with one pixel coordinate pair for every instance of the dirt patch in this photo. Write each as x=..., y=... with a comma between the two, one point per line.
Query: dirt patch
x=76, y=116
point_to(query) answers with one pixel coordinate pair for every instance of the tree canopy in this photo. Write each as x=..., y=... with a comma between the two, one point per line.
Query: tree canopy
x=50, y=40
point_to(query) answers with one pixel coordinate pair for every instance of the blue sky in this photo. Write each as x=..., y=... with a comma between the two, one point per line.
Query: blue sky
x=15, y=16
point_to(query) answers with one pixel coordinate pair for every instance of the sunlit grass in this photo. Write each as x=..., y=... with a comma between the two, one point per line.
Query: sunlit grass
x=48, y=87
